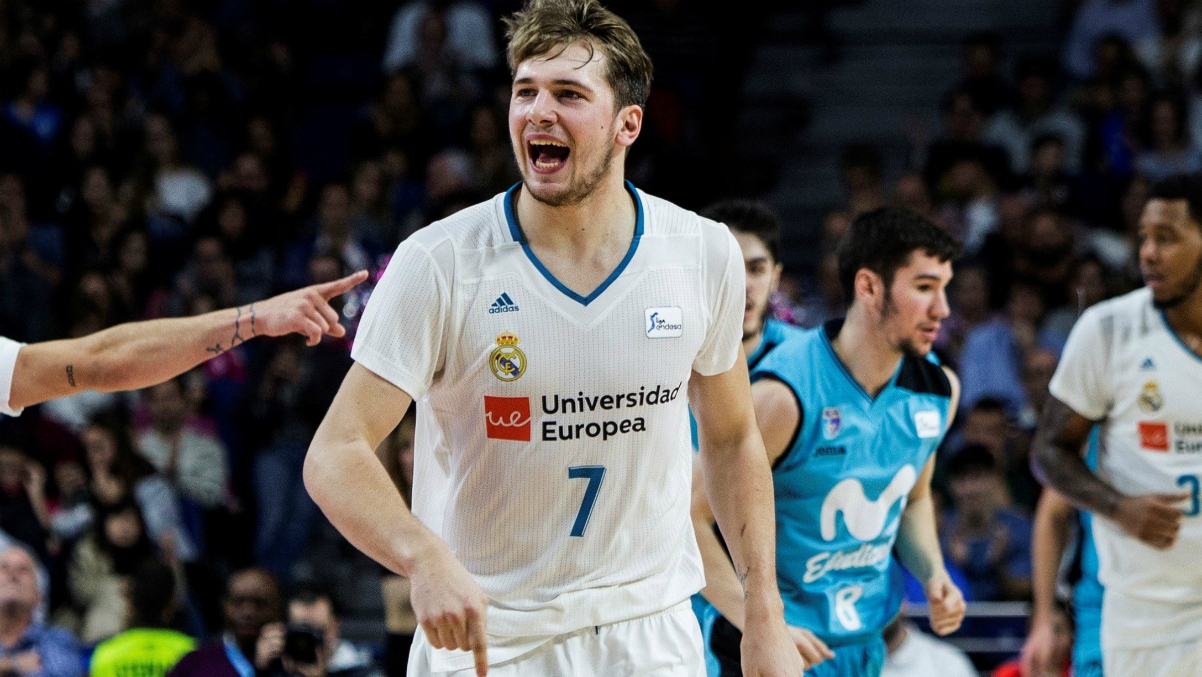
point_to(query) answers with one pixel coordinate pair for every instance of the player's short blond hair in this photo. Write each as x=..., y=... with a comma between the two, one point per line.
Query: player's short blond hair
x=547, y=26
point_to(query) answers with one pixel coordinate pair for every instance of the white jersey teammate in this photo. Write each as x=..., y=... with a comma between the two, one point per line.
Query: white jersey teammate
x=553, y=337
x=1134, y=365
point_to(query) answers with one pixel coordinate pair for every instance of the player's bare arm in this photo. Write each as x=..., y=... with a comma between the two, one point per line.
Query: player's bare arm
x=1056, y=459
x=348, y=482
x=1048, y=540
x=140, y=354
x=918, y=542
x=738, y=483
x=777, y=416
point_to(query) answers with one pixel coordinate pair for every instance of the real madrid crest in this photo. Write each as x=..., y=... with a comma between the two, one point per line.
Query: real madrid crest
x=507, y=361
x=1150, y=399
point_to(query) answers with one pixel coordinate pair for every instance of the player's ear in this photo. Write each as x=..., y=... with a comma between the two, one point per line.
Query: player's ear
x=630, y=124
x=868, y=285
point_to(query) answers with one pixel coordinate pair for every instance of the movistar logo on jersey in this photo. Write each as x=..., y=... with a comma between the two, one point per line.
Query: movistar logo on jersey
x=864, y=519
x=665, y=322
x=503, y=304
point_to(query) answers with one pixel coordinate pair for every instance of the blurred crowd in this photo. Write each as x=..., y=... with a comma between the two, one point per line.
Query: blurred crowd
x=163, y=158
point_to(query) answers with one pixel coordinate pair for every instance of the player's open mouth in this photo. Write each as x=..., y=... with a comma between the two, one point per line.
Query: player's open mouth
x=547, y=155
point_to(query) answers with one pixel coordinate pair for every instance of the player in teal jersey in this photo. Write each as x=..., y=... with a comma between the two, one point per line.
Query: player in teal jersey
x=851, y=414
x=1055, y=519
x=757, y=229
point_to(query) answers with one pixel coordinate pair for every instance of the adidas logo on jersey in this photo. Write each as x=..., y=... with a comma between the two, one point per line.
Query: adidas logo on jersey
x=1147, y=365
x=503, y=304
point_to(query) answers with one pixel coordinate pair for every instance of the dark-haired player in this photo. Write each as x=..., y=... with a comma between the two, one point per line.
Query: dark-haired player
x=1133, y=365
x=851, y=414
x=757, y=229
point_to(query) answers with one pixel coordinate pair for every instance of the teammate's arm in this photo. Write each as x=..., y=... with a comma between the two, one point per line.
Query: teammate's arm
x=738, y=484
x=918, y=550
x=918, y=540
x=140, y=354
x=348, y=482
x=1048, y=541
x=1056, y=460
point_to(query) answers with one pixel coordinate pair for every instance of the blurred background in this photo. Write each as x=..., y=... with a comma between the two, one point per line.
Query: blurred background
x=169, y=157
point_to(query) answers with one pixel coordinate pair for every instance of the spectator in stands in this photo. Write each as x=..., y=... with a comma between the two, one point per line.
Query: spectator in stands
x=991, y=361
x=912, y=653
x=1036, y=113
x=1038, y=368
x=102, y=566
x=150, y=648
x=27, y=278
x=1048, y=256
x=1047, y=183
x=312, y=607
x=861, y=167
x=490, y=151
x=253, y=638
x=1172, y=54
x=289, y=399
x=970, y=308
x=1165, y=145
x=1086, y=286
x=173, y=188
x=981, y=72
x=192, y=461
x=33, y=113
x=987, y=424
x=27, y=646
x=982, y=534
x=963, y=128
x=469, y=29
x=23, y=512
x=1133, y=20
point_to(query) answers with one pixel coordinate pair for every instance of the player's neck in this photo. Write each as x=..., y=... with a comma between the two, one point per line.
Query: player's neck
x=1186, y=320
x=583, y=228
x=871, y=360
x=751, y=343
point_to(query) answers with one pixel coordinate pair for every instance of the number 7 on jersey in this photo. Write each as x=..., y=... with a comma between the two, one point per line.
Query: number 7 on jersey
x=595, y=474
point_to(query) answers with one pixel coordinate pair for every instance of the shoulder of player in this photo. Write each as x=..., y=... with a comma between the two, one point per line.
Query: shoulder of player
x=479, y=225
x=786, y=356
x=665, y=219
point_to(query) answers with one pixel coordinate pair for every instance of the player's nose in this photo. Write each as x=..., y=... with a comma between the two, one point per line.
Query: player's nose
x=542, y=111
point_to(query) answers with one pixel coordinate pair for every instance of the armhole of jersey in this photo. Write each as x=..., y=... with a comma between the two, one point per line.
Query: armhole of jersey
x=801, y=415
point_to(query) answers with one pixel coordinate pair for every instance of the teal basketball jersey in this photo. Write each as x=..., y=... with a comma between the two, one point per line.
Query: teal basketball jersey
x=843, y=482
x=1088, y=590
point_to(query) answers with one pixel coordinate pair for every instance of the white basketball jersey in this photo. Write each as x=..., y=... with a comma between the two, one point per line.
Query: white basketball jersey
x=1124, y=366
x=8, y=364
x=560, y=421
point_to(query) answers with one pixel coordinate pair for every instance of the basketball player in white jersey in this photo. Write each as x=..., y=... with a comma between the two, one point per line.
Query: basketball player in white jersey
x=1134, y=366
x=553, y=337
x=141, y=354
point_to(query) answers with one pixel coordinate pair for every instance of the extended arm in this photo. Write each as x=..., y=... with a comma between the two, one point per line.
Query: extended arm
x=918, y=550
x=738, y=483
x=140, y=354
x=1048, y=541
x=348, y=482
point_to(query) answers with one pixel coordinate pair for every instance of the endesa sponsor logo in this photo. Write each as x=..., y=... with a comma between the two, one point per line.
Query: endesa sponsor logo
x=1154, y=436
x=507, y=418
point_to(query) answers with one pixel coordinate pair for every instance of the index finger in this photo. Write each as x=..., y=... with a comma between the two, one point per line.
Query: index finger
x=329, y=290
x=478, y=641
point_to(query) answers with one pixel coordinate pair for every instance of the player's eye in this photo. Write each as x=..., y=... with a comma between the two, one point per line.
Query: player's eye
x=524, y=93
x=569, y=94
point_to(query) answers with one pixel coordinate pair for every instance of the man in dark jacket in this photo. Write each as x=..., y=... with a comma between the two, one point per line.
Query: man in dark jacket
x=253, y=638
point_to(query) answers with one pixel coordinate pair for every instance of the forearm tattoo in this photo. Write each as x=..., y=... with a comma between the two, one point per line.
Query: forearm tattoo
x=237, y=339
x=71, y=375
x=1056, y=460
